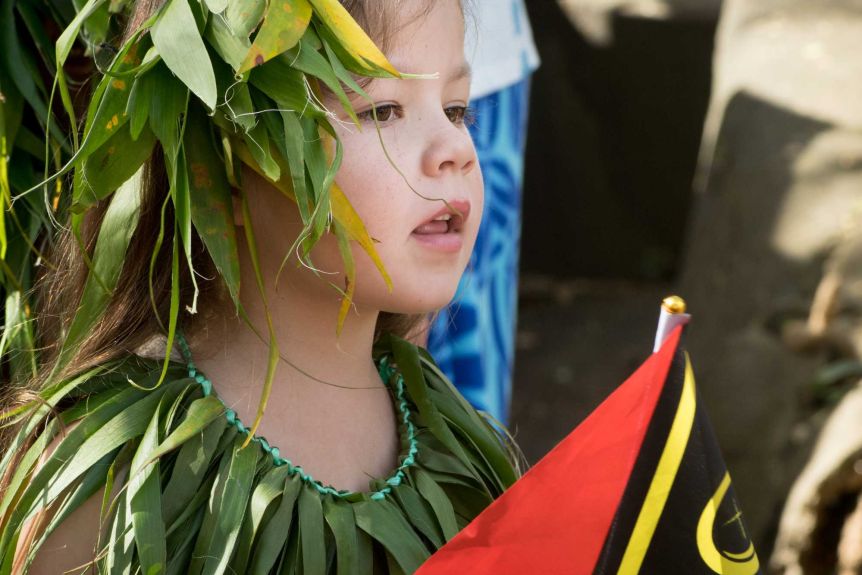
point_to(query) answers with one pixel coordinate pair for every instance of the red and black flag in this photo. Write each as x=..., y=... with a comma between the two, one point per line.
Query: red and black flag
x=639, y=487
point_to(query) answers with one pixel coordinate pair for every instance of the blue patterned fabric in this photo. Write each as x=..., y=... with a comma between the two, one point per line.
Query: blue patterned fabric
x=473, y=339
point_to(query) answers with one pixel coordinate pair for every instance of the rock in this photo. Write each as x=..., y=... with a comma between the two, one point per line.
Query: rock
x=796, y=54
x=850, y=544
x=778, y=188
x=822, y=509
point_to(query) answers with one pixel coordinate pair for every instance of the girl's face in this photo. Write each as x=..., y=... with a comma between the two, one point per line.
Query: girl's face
x=422, y=125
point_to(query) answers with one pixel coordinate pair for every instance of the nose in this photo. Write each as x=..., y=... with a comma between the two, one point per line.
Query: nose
x=450, y=149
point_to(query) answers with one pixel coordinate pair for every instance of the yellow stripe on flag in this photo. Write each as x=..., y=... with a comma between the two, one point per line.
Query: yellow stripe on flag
x=724, y=562
x=662, y=481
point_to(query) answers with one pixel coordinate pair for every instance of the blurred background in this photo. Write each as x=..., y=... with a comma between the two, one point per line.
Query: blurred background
x=710, y=149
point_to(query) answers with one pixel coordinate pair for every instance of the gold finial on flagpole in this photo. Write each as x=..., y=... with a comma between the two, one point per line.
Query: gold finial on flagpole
x=673, y=304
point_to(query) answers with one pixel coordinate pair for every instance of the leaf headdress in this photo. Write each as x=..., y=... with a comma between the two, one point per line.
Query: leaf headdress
x=214, y=84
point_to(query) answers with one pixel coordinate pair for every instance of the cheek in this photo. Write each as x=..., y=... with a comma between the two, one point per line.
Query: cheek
x=375, y=192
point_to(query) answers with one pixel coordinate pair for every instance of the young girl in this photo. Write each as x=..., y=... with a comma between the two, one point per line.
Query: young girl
x=366, y=460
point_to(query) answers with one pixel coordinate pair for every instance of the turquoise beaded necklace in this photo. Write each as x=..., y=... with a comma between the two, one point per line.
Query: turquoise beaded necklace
x=387, y=373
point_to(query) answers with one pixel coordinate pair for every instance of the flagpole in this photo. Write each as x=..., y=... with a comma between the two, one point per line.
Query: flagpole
x=672, y=315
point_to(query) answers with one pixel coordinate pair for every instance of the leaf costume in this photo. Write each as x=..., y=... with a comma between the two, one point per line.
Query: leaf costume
x=195, y=501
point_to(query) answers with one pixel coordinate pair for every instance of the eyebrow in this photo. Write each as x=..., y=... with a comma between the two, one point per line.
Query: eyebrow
x=463, y=71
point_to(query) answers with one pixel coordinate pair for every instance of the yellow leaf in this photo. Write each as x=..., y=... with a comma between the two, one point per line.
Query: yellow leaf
x=345, y=215
x=5, y=194
x=284, y=24
x=352, y=36
x=349, y=276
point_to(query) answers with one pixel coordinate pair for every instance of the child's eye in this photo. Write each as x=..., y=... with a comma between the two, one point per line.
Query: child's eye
x=385, y=113
x=460, y=115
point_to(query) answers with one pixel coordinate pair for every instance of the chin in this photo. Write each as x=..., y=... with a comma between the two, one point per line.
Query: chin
x=419, y=302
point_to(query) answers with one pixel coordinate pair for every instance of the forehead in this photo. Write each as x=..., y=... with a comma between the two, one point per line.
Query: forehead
x=431, y=40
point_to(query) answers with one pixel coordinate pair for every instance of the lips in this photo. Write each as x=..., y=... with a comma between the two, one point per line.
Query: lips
x=450, y=218
x=442, y=231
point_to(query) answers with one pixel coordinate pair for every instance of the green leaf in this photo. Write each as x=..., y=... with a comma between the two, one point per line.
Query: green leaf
x=444, y=463
x=107, y=110
x=232, y=499
x=11, y=115
x=192, y=462
x=174, y=311
x=15, y=62
x=243, y=17
x=339, y=517
x=283, y=26
x=201, y=413
x=488, y=446
x=285, y=85
x=113, y=424
x=140, y=99
x=49, y=398
x=96, y=26
x=17, y=483
x=407, y=359
x=382, y=521
x=175, y=35
x=295, y=154
x=419, y=513
x=166, y=112
x=264, y=500
x=118, y=225
x=146, y=502
x=393, y=567
x=181, y=547
x=39, y=37
x=257, y=141
x=364, y=552
x=121, y=547
x=439, y=501
x=216, y=6
x=107, y=168
x=211, y=201
x=241, y=108
x=181, y=197
x=227, y=42
x=63, y=47
x=311, y=532
x=5, y=190
x=275, y=532
x=341, y=72
x=306, y=58
x=315, y=158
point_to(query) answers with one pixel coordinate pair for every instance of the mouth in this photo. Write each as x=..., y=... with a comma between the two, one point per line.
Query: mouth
x=449, y=219
x=442, y=231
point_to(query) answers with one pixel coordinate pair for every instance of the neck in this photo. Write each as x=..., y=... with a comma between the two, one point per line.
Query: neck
x=305, y=329
x=234, y=355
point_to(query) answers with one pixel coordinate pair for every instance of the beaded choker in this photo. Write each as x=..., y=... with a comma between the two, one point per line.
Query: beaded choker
x=391, y=377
